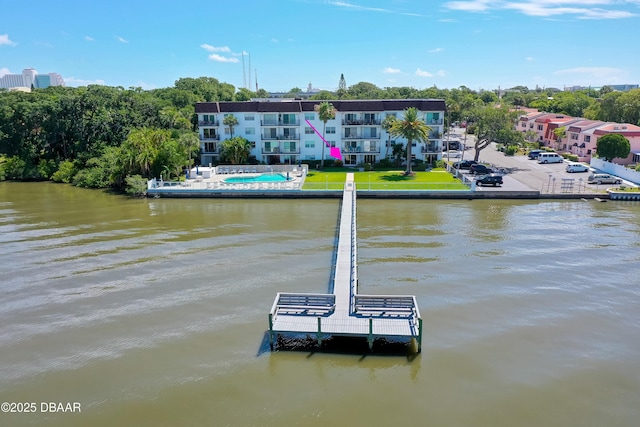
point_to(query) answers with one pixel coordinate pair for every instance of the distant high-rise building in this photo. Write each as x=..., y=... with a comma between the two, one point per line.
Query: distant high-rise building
x=30, y=78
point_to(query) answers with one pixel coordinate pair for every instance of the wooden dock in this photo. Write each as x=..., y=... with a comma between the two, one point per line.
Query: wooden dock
x=345, y=312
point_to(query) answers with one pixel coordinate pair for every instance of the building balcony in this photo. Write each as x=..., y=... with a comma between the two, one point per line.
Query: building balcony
x=280, y=150
x=279, y=123
x=433, y=121
x=210, y=138
x=210, y=148
x=360, y=149
x=280, y=137
x=356, y=136
x=435, y=135
x=430, y=148
x=208, y=123
x=362, y=122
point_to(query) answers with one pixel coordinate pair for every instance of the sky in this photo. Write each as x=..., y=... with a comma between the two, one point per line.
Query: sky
x=481, y=44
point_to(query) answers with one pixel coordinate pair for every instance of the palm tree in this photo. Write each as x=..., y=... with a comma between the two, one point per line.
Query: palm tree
x=387, y=123
x=412, y=129
x=560, y=133
x=230, y=121
x=326, y=111
x=236, y=150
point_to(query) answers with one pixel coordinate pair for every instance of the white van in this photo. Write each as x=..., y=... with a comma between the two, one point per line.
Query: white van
x=550, y=158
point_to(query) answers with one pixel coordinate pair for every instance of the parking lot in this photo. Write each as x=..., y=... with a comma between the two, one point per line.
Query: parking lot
x=521, y=173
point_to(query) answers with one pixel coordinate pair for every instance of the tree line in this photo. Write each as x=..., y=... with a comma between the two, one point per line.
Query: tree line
x=97, y=136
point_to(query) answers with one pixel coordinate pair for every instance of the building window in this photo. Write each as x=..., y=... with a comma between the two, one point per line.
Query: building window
x=308, y=130
x=253, y=144
x=310, y=157
x=574, y=136
x=227, y=131
x=331, y=143
x=540, y=127
x=523, y=124
x=331, y=129
x=587, y=138
x=309, y=144
x=309, y=116
x=250, y=131
x=249, y=117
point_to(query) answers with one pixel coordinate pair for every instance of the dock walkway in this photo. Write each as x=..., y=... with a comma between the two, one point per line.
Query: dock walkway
x=345, y=312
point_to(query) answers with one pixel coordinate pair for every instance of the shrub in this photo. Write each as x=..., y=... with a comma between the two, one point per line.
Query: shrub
x=136, y=185
x=46, y=168
x=336, y=163
x=384, y=164
x=510, y=150
x=420, y=168
x=14, y=168
x=439, y=164
x=66, y=171
x=367, y=167
x=91, y=178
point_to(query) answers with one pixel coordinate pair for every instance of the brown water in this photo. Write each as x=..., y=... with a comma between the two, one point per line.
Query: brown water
x=153, y=312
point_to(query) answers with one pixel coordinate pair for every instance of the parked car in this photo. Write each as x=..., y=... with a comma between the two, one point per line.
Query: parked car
x=464, y=164
x=577, y=167
x=550, y=158
x=490, y=179
x=533, y=154
x=479, y=169
x=603, y=178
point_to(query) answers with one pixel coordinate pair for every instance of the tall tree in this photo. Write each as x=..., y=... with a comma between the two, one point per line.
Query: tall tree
x=411, y=128
x=326, y=111
x=387, y=124
x=236, y=150
x=492, y=124
x=613, y=146
x=230, y=121
x=560, y=133
x=342, y=87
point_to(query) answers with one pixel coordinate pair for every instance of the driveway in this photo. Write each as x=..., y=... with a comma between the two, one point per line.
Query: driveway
x=522, y=173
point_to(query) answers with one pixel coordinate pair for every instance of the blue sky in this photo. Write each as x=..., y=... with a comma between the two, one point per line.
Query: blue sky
x=481, y=44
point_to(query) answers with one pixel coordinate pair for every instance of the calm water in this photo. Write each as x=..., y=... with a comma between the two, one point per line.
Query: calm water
x=153, y=312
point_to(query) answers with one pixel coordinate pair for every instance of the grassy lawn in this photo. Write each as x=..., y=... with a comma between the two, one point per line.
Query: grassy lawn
x=437, y=179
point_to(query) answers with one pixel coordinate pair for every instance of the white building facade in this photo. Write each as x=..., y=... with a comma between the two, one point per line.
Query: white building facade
x=282, y=132
x=30, y=78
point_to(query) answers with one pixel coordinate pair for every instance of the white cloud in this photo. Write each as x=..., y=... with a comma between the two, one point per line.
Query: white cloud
x=436, y=50
x=210, y=48
x=122, y=39
x=220, y=58
x=274, y=40
x=469, y=6
x=72, y=81
x=581, y=9
x=423, y=73
x=354, y=6
x=88, y=38
x=390, y=70
x=530, y=58
x=4, y=39
x=4, y=71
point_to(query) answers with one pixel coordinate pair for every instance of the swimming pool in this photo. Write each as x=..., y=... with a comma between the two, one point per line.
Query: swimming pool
x=265, y=177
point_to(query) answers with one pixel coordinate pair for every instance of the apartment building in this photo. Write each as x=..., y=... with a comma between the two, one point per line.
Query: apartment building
x=282, y=131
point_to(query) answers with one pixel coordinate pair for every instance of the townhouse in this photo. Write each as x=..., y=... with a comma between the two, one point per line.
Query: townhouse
x=580, y=136
x=282, y=131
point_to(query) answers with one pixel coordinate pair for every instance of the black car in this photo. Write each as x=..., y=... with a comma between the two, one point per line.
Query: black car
x=479, y=169
x=533, y=154
x=464, y=164
x=491, y=179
